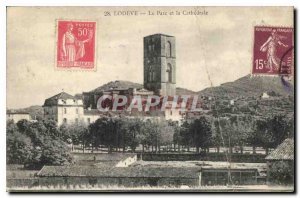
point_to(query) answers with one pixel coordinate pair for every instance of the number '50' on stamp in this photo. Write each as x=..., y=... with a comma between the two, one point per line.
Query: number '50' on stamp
x=75, y=45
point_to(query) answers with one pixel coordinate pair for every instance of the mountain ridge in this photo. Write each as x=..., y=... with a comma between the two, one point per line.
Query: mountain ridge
x=249, y=86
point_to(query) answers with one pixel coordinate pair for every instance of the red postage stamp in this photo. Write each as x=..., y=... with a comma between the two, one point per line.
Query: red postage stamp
x=76, y=45
x=273, y=51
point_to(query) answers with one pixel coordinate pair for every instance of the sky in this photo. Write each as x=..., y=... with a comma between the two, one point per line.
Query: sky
x=210, y=49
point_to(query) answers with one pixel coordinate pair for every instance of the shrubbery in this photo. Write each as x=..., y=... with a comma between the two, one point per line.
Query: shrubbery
x=282, y=172
x=35, y=144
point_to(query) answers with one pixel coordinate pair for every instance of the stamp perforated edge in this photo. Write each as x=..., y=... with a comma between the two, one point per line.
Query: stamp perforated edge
x=75, y=69
x=253, y=43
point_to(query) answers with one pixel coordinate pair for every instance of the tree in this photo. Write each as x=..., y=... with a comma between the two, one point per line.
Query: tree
x=176, y=135
x=18, y=148
x=216, y=138
x=151, y=134
x=260, y=136
x=145, y=134
x=107, y=131
x=241, y=130
x=282, y=172
x=35, y=144
x=36, y=132
x=201, y=133
x=52, y=129
x=23, y=126
x=279, y=128
x=232, y=131
x=270, y=132
x=11, y=127
x=74, y=133
x=132, y=130
x=167, y=130
x=54, y=152
x=185, y=135
x=155, y=135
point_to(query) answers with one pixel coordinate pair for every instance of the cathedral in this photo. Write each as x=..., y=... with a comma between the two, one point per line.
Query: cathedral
x=159, y=73
x=160, y=64
x=159, y=79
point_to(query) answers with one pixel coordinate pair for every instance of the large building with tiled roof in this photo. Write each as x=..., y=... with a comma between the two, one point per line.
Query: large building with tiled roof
x=63, y=108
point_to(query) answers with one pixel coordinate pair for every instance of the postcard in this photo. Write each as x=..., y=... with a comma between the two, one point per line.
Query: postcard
x=150, y=99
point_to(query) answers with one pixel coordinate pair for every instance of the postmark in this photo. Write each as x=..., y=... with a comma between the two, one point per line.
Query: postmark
x=273, y=52
x=76, y=45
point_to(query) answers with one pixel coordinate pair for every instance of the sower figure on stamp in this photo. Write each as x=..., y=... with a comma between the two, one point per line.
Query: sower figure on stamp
x=69, y=43
x=270, y=46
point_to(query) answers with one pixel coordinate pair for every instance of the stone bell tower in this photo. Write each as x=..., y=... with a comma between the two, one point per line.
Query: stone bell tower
x=160, y=64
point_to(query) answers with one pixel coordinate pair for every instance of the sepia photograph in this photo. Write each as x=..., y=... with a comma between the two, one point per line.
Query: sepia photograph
x=150, y=99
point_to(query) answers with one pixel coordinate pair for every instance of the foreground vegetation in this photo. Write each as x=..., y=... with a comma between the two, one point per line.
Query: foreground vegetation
x=43, y=143
x=35, y=144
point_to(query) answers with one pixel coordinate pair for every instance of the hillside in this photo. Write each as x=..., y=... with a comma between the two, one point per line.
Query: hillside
x=183, y=91
x=248, y=86
x=121, y=84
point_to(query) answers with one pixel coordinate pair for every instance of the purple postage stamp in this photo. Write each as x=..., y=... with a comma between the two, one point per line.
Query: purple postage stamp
x=273, y=52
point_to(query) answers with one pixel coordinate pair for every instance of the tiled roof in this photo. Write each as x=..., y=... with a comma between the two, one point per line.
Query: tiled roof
x=79, y=96
x=159, y=34
x=53, y=100
x=285, y=151
x=140, y=172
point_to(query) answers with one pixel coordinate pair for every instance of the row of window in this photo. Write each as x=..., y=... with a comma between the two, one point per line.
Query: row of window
x=65, y=102
x=65, y=111
x=151, y=48
x=65, y=120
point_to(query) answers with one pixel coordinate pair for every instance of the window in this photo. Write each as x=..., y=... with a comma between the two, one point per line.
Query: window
x=76, y=110
x=65, y=110
x=76, y=120
x=168, y=49
x=169, y=73
x=153, y=76
x=89, y=120
x=150, y=75
x=65, y=120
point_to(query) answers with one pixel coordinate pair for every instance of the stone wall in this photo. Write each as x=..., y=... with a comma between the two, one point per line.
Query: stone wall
x=235, y=157
x=120, y=181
